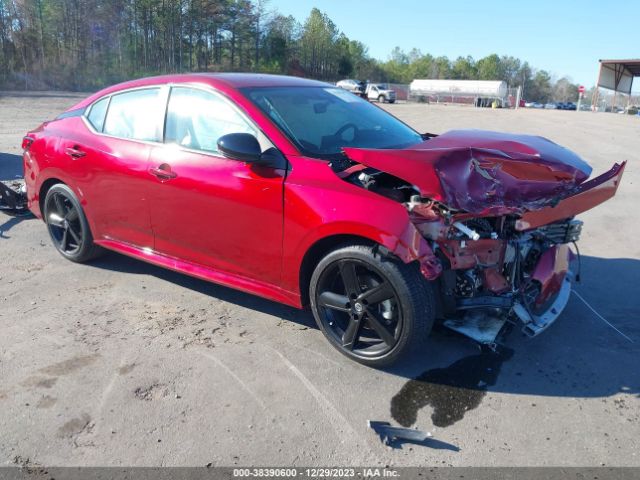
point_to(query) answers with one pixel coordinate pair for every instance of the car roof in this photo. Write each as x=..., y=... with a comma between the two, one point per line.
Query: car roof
x=240, y=80
x=222, y=81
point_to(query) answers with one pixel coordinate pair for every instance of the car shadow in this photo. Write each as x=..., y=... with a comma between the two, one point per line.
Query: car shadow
x=10, y=166
x=592, y=351
x=12, y=221
x=121, y=263
x=580, y=355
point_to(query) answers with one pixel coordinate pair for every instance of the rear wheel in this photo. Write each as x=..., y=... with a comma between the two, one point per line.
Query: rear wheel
x=373, y=309
x=68, y=226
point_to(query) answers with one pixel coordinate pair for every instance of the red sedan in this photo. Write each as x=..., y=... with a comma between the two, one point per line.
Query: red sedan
x=303, y=193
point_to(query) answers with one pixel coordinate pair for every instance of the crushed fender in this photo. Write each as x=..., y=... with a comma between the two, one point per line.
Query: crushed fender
x=412, y=246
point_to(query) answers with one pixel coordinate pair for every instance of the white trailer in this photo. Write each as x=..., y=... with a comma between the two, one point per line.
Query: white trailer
x=478, y=92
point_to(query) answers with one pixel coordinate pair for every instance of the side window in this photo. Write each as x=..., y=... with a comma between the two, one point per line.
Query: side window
x=135, y=115
x=197, y=119
x=97, y=112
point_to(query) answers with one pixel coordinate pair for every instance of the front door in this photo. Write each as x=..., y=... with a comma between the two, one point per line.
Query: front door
x=216, y=212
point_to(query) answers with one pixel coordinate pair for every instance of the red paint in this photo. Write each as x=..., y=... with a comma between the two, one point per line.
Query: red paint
x=218, y=219
x=588, y=195
x=494, y=281
x=250, y=227
x=550, y=271
x=468, y=254
x=217, y=210
x=250, y=285
x=483, y=172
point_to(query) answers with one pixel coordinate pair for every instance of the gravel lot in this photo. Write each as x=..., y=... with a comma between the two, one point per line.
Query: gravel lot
x=122, y=363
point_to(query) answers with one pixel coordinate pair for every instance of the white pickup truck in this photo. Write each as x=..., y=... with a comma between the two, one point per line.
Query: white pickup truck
x=381, y=93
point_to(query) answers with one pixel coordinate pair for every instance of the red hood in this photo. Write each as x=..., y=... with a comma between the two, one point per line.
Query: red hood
x=483, y=172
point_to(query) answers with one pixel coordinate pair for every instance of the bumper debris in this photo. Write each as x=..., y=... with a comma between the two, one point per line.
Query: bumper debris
x=390, y=434
x=13, y=196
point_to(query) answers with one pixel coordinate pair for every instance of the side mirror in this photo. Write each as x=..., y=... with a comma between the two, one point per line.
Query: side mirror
x=240, y=146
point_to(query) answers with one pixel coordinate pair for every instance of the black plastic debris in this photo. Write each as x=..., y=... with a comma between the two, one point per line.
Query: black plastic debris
x=13, y=198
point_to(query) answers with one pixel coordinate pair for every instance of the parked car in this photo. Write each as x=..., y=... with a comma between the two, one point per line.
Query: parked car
x=381, y=93
x=550, y=106
x=353, y=86
x=560, y=106
x=538, y=105
x=529, y=104
x=570, y=106
x=305, y=194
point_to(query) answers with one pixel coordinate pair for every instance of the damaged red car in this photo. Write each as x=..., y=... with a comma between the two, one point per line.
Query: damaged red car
x=308, y=195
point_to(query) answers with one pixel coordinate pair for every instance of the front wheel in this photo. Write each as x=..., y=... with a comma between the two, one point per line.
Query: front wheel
x=373, y=309
x=381, y=99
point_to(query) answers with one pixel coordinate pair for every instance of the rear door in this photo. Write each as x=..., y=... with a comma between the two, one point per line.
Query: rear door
x=111, y=163
x=207, y=209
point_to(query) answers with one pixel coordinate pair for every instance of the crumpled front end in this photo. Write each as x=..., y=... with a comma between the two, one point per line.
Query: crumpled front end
x=551, y=286
x=493, y=273
x=483, y=172
x=497, y=212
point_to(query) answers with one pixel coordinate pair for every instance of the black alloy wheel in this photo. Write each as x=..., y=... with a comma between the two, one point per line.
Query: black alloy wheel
x=64, y=224
x=68, y=226
x=372, y=309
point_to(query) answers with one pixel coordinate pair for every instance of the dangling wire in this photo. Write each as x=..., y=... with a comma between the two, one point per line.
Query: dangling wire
x=579, y=262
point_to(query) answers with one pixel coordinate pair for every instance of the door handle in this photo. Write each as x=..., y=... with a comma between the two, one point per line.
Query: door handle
x=75, y=152
x=163, y=172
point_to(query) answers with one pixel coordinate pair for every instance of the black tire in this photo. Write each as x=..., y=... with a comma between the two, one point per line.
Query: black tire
x=392, y=101
x=68, y=226
x=381, y=99
x=351, y=323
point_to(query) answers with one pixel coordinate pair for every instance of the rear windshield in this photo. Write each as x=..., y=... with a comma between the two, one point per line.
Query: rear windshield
x=323, y=120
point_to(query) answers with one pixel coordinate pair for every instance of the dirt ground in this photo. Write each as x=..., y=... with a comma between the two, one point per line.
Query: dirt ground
x=121, y=363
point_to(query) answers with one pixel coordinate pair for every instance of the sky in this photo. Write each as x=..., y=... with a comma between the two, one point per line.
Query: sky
x=564, y=37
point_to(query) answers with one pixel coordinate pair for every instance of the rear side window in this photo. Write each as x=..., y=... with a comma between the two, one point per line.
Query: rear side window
x=197, y=119
x=135, y=115
x=97, y=112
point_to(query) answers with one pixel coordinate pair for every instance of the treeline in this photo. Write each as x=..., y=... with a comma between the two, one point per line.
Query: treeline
x=87, y=44
x=537, y=85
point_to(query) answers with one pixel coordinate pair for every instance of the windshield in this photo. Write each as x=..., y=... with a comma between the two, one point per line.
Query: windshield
x=323, y=120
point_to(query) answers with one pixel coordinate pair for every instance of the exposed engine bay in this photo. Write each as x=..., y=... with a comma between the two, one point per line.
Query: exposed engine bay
x=500, y=263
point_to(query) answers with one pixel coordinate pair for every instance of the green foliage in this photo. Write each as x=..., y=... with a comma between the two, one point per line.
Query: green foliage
x=490, y=68
x=87, y=44
x=540, y=88
x=464, y=68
